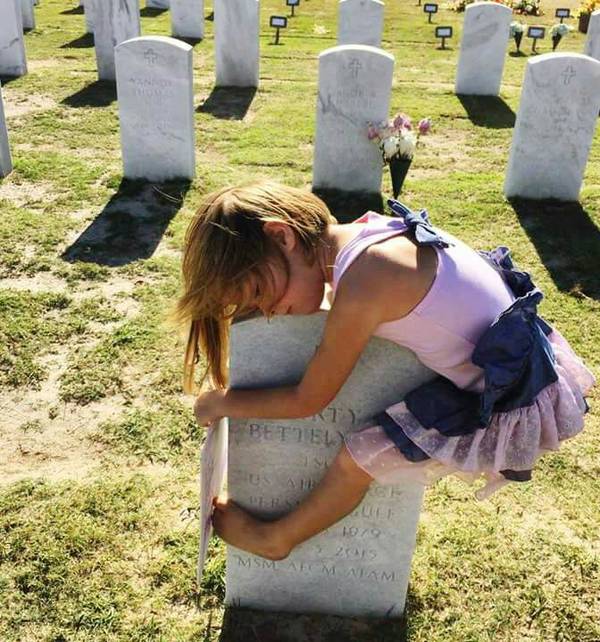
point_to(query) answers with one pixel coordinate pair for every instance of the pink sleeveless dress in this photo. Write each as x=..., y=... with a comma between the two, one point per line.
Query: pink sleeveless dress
x=466, y=297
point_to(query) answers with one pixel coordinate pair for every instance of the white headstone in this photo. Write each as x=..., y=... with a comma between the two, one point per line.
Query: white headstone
x=156, y=110
x=5, y=159
x=88, y=10
x=13, y=61
x=187, y=18
x=355, y=83
x=483, y=48
x=27, y=14
x=114, y=22
x=236, y=27
x=359, y=566
x=555, y=125
x=158, y=4
x=360, y=22
x=592, y=42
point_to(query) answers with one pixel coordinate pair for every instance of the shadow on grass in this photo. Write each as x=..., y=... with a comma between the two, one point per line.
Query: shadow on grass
x=151, y=12
x=244, y=625
x=567, y=241
x=73, y=11
x=348, y=206
x=100, y=93
x=488, y=111
x=210, y=17
x=131, y=225
x=87, y=40
x=517, y=54
x=229, y=103
x=5, y=80
x=188, y=40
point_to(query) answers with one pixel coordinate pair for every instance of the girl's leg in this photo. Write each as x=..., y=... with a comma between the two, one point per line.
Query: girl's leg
x=338, y=494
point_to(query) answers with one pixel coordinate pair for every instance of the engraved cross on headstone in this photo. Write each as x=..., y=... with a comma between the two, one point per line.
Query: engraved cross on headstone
x=354, y=66
x=568, y=74
x=150, y=56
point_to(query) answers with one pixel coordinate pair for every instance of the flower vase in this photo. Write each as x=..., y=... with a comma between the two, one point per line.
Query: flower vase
x=584, y=22
x=518, y=37
x=398, y=170
x=555, y=40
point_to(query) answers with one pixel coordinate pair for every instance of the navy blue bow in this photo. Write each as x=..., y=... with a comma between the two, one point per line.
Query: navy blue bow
x=419, y=224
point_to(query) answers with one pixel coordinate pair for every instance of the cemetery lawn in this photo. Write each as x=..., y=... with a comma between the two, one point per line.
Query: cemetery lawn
x=99, y=458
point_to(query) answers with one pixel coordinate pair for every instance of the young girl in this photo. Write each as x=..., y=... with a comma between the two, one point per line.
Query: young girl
x=510, y=387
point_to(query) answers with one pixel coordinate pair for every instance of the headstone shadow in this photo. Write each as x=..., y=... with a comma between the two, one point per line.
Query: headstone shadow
x=517, y=54
x=247, y=625
x=488, y=111
x=5, y=80
x=100, y=93
x=348, y=206
x=567, y=241
x=84, y=41
x=131, y=224
x=151, y=12
x=229, y=103
x=72, y=12
x=190, y=41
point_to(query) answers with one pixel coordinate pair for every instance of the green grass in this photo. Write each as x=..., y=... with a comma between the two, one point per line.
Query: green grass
x=90, y=267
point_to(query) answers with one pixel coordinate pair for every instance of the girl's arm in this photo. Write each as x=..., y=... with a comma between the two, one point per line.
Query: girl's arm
x=362, y=302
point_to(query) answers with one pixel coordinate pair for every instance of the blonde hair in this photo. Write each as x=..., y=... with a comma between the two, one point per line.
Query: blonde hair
x=225, y=244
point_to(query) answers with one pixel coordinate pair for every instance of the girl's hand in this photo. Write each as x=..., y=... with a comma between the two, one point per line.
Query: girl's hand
x=209, y=407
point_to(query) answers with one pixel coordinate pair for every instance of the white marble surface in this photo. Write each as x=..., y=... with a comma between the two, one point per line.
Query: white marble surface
x=156, y=110
x=27, y=15
x=158, y=4
x=5, y=159
x=187, y=18
x=13, y=61
x=114, y=22
x=592, y=41
x=236, y=29
x=359, y=566
x=558, y=112
x=88, y=10
x=355, y=83
x=360, y=22
x=483, y=48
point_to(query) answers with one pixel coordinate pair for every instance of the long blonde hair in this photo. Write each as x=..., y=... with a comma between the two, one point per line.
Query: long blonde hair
x=225, y=244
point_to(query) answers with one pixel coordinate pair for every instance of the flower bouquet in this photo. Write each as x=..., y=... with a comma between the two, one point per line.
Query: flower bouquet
x=516, y=31
x=527, y=7
x=559, y=30
x=397, y=141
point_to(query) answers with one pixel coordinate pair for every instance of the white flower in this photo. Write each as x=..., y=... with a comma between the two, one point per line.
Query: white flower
x=407, y=146
x=390, y=147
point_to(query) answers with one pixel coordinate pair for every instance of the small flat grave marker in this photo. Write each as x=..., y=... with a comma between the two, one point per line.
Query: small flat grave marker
x=430, y=8
x=443, y=33
x=563, y=13
x=293, y=4
x=536, y=33
x=278, y=22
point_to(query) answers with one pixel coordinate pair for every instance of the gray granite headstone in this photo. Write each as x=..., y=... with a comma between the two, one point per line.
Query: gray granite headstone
x=361, y=565
x=355, y=83
x=360, y=22
x=555, y=126
x=13, y=61
x=114, y=22
x=483, y=48
x=187, y=18
x=27, y=14
x=156, y=111
x=5, y=159
x=236, y=27
x=592, y=41
x=158, y=4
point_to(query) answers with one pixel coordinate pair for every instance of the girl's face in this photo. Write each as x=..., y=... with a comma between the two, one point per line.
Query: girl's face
x=297, y=290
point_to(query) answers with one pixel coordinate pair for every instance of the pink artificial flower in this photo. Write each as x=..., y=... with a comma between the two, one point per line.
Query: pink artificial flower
x=425, y=126
x=372, y=132
x=402, y=121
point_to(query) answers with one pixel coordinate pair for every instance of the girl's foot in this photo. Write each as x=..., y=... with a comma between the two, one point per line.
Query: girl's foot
x=238, y=528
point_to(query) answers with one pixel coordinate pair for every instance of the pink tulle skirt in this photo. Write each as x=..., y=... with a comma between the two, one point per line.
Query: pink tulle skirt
x=514, y=440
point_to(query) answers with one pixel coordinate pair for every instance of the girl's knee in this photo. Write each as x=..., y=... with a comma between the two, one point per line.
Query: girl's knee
x=346, y=464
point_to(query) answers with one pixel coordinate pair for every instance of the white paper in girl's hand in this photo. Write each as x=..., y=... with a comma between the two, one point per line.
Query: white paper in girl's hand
x=213, y=468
